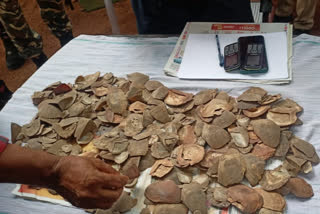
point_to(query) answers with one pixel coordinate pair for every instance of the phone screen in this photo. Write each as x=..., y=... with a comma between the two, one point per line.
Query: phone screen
x=253, y=60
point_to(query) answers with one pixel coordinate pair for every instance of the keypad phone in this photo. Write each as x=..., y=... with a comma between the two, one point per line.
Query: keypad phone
x=231, y=57
x=247, y=56
x=253, y=54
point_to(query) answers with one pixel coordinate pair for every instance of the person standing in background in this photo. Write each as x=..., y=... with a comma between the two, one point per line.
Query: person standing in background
x=170, y=16
x=305, y=11
x=266, y=7
x=20, y=41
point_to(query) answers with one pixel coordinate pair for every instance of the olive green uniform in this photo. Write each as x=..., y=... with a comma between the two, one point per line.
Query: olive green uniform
x=305, y=12
x=27, y=41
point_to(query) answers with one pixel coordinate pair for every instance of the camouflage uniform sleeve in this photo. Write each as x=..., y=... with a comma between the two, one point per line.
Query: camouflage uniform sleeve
x=27, y=41
x=54, y=15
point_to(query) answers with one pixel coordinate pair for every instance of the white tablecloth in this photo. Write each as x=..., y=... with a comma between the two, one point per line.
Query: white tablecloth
x=88, y=54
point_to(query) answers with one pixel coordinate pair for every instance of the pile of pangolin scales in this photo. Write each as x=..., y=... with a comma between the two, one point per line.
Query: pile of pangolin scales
x=208, y=149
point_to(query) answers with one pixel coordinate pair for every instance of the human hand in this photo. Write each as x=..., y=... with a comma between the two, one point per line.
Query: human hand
x=88, y=182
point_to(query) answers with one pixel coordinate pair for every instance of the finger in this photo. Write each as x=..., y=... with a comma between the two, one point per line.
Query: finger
x=110, y=195
x=102, y=166
x=110, y=181
x=125, y=179
x=93, y=204
x=95, y=198
x=67, y=195
x=103, y=205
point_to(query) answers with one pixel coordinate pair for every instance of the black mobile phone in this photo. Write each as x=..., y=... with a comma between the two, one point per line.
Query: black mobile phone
x=231, y=57
x=253, y=54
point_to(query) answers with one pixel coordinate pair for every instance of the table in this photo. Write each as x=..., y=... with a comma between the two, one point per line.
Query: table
x=123, y=55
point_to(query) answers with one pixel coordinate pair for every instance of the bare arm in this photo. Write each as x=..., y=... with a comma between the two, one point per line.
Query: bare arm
x=21, y=165
x=85, y=182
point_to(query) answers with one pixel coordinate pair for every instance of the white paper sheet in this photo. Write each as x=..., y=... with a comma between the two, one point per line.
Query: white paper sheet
x=201, y=60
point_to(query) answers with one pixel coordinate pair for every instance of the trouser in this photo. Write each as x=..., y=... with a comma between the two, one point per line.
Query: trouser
x=170, y=16
x=265, y=6
x=27, y=41
x=305, y=10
